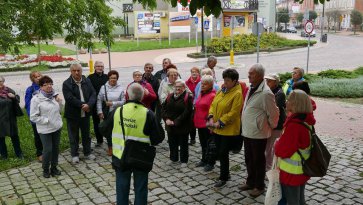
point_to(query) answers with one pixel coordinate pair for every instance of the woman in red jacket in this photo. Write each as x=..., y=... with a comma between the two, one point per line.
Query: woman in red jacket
x=149, y=94
x=295, y=137
x=201, y=109
x=192, y=82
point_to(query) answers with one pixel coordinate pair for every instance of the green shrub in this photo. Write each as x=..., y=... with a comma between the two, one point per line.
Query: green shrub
x=342, y=88
x=244, y=42
x=337, y=74
x=359, y=71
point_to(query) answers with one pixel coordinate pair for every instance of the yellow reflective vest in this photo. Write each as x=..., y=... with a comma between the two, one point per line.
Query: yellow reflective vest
x=134, y=118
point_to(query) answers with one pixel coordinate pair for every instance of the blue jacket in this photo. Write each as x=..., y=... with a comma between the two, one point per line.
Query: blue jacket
x=30, y=91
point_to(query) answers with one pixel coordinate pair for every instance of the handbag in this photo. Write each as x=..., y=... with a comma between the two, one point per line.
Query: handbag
x=318, y=162
x=136, y=155
x=105, y=108
x=16, y=107
x=273, y=193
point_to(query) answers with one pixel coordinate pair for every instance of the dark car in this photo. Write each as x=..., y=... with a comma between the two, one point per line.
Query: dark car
x=290, y=29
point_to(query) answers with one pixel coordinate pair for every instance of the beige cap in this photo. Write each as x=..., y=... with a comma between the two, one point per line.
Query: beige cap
x=273, y=77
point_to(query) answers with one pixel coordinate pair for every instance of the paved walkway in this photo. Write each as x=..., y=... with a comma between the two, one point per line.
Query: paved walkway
x=93, y=182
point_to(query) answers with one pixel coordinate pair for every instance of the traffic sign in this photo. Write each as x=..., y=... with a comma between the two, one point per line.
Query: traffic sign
x=258, y=28
x=206, y=24
x=196, y=20
x=309, y=27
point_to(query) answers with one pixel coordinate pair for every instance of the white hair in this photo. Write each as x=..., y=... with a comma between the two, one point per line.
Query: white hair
x=207, y=71
x=208, y=79
x=258, y=67
x=181, y=81
x=75, y=65
x=135, y=92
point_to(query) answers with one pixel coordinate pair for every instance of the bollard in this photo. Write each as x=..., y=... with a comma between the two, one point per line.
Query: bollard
x=231, y=54
x=91, y=68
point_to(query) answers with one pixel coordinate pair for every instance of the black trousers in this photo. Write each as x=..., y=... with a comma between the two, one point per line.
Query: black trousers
x=255, y=162
x=204, y=136
x=37, y=141
x=224, y=144
x=193, y=132
x=96, y=122
x=51, y=148
x=73, y=127
x=16, y=145
x=177, y=140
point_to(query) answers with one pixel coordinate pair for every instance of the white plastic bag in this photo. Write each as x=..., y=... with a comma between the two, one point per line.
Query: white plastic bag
x=273, y=193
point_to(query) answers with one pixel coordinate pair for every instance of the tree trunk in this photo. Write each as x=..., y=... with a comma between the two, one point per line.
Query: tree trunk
x=38, y=42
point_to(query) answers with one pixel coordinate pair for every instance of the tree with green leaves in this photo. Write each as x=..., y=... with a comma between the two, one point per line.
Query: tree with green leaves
x=8, y=41
x=300, y=18
x=335, y=15
x=356, y=19
x=312, y=15
x=283, y=17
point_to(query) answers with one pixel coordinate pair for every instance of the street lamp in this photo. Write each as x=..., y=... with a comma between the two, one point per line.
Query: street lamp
x=322, y=23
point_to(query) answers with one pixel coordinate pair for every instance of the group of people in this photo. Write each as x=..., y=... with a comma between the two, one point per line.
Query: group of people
x=225, y=116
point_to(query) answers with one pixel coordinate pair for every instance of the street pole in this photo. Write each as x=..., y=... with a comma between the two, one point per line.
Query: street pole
x=109, y=54
x=307, y=62
x=202, y=28
x=322, y=23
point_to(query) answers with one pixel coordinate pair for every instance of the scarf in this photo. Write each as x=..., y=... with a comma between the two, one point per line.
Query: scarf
x=48, y=95
x=4, y=92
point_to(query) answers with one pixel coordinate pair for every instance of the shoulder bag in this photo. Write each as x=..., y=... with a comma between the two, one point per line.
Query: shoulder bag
x=136, y=155
x=105, y=108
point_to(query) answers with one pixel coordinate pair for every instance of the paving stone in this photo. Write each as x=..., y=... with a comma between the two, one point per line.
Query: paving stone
x=100, y=200
x=62, y=197
x=49, y=202
x=45, y=198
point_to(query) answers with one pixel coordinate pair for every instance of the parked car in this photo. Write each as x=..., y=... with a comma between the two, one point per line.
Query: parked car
x=290, y=29
x=304, y=34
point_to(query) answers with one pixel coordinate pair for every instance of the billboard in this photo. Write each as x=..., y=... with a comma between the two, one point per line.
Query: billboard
x=179, y=22
x=148, y=22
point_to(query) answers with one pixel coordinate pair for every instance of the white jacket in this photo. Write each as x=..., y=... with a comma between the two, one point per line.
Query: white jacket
x=45, y=113
x=260, y=114
x=115, y=94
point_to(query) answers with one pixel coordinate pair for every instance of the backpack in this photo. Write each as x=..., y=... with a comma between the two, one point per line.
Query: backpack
x=318, y=162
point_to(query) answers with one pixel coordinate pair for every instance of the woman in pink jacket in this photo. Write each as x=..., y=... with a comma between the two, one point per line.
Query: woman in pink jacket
x=201, y=110
x=149, y=94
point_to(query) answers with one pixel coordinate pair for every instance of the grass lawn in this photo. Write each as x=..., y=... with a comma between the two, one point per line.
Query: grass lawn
x=50, y=49
x=27, y=144
x=131, y=45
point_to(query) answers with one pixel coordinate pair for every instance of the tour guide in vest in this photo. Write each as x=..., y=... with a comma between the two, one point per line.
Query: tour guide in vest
x=140, y=124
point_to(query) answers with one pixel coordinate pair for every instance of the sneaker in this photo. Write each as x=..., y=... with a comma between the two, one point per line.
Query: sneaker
x=99, y=144
x=172, y=163
x=75, y=159
x=183, y=165
x=235, y=151
x=192, y=142
x=244, y=187
x=55, y=172
x=109, y=151
x=220, y=184
x=200, y=164
x=90, y=157
x=46, y=173
x=208, y=168
x=255, y=192
x=40, y=158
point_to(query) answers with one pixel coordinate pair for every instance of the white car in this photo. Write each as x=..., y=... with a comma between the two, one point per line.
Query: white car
x=304, y=34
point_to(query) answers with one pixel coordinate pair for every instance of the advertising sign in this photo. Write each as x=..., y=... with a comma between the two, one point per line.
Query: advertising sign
x=179, y=22
x=227, y=21
x=148, y=23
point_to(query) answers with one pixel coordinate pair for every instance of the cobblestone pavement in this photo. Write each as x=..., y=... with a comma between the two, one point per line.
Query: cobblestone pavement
x=93, y=182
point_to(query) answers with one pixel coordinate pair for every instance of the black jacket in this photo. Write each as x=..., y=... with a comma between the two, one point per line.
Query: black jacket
x=73, y=103
x=8, y=121
x=97, y=81
x=280, y=99
x=151, y=129
x=179, y=111
x=154, y=82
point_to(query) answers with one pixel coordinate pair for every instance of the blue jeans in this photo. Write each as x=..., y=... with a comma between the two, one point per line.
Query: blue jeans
x=292, y=195
x=123, y=179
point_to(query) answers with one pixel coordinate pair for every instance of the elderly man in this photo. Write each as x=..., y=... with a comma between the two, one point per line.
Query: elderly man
x=212, y=64
x=259, y=116
x=98, y=78
x=297, y=76
x=273, y=82
x=150, y=78
x=80, y=97
x=161, y=74
x=141, y=126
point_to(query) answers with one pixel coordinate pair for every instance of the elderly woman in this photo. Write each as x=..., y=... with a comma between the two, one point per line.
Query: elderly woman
x=30, y=91
x=297, y=76
x=296, y=137
x=205, y=71
x=167, y=87
x=201, y=109
x=9, y=102
x=110, y=97
x=45, y=111
x=149, y=94
x=176, y=112
x=224, y=120
x=192, y=82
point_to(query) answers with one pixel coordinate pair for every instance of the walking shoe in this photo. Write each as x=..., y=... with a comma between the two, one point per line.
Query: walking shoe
x=244, y=187
x=75, y=159
x=55, y=172
x=109, y=151
x=208, y=168
x=172, y=163
x=255, y=192
x=220, y=184
x=192, y=142
x=40, y=158
x=99, y=144
x=46, y=173
x=200, y=164
x=90, y=157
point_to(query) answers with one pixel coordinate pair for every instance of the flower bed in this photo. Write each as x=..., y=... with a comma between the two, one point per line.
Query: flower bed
x=26, y=62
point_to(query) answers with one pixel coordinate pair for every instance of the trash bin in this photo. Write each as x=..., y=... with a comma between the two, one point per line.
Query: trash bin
x=324, y=38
